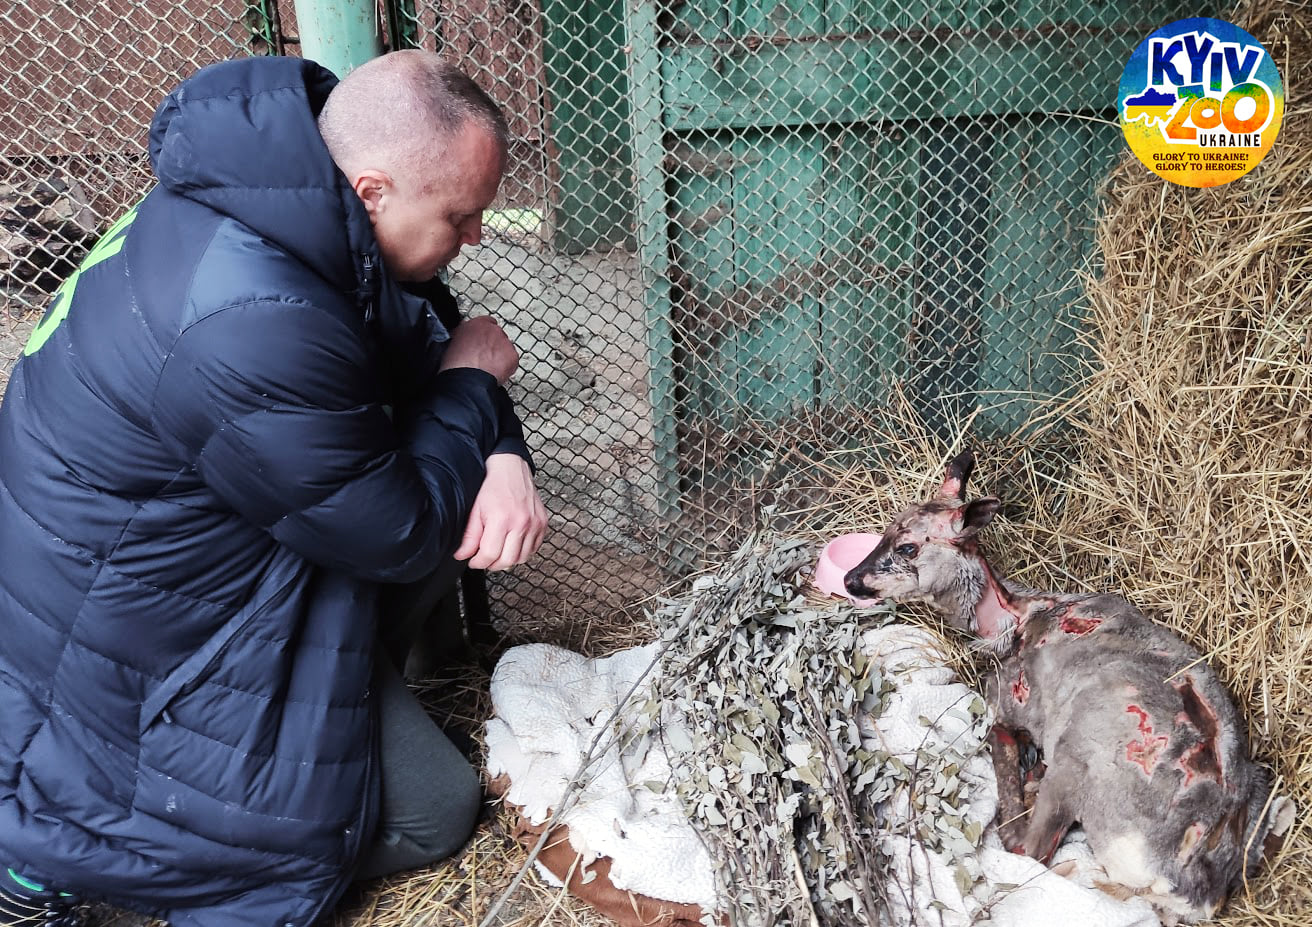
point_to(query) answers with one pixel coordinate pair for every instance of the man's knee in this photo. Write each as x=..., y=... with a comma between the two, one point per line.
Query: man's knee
x=434, y=832
x=458, y=803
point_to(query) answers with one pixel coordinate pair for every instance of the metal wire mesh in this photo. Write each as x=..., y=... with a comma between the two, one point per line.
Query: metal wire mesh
x=724, y=220
x=861, y=197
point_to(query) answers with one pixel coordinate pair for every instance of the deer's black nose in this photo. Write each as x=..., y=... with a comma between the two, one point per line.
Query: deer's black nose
x=855, y=582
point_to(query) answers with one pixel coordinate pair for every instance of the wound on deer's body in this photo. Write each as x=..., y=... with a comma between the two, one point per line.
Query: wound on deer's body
x=1051, y=844
x=1147, y=750
x=1072, y=624
x=1233, y=826
x=1200, y=760
x=1189, y=841
x=1020, y=689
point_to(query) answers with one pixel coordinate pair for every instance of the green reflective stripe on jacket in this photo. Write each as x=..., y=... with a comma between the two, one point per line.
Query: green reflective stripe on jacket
x=110, y=244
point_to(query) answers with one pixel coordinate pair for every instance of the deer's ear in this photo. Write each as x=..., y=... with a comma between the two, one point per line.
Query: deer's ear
x=958, y=472
x=976, y=515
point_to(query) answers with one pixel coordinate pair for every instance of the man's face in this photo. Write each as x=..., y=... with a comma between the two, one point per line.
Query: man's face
x=420, y=231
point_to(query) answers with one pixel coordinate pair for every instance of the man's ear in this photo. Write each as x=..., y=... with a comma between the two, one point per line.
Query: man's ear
x=374, y=187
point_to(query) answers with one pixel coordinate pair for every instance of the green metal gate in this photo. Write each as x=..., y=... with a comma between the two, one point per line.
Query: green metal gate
x=838, y=196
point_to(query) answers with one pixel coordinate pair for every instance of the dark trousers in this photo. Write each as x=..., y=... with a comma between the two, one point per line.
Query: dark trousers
x=431, y=796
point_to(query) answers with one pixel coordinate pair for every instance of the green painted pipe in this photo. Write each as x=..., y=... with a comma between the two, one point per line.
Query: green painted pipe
x=339, y=34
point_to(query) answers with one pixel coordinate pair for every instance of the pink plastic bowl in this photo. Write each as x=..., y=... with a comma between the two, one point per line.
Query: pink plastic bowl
x=838, y=557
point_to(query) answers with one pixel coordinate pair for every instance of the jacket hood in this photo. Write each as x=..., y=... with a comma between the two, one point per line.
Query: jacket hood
x=241, y=138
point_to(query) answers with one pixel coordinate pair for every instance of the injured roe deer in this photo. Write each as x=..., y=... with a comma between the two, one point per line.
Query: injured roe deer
x=1143, y=745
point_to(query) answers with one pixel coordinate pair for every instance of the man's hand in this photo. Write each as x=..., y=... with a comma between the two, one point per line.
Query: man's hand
x=481, y=343
x=508, y=520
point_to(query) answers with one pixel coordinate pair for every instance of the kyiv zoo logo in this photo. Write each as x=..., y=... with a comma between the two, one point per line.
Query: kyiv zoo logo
x=1200, y=102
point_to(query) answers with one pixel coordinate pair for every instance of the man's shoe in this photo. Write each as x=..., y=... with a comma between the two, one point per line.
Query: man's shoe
x=23, y=902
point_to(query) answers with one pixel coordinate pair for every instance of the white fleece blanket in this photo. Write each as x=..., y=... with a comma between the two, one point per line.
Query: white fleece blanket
x=551, y=705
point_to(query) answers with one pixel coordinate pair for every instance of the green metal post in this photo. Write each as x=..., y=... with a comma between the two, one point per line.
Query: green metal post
x=403, y=25
x=339, y=34
x=264, y=26
x=641, y=33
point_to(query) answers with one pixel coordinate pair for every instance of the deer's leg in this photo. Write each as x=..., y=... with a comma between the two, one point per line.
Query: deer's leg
x=1032, y=767
x=1012, y=817
x=1049, y=820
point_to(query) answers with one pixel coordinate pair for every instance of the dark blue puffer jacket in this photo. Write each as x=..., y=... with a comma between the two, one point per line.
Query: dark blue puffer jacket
x=227, y=430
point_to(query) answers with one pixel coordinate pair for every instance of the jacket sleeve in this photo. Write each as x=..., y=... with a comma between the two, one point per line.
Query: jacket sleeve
x=510, y=437
x=510, y=431
x=277, y=408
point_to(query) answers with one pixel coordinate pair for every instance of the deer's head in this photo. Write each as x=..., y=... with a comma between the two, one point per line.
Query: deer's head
x=929, y=553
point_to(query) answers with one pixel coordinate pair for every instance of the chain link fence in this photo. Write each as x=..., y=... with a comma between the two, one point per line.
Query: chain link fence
x=727, y=224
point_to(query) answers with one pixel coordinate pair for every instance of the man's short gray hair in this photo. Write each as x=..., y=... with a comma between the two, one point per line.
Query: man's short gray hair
x=398, y=113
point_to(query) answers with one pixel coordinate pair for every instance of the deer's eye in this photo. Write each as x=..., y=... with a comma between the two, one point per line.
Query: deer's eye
x=906, y=550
